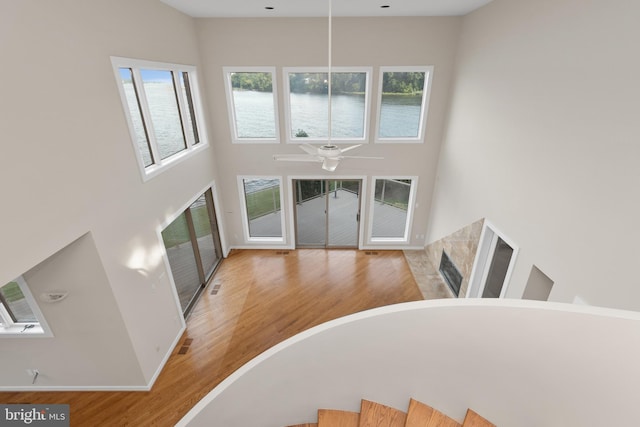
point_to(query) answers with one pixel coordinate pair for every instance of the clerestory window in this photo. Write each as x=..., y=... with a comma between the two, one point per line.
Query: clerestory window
x=252, y=104
x=307, y=105
x=403, y=101
x=162, y=106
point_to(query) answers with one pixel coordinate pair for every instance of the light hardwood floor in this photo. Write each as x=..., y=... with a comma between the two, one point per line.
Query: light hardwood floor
x=264, y=297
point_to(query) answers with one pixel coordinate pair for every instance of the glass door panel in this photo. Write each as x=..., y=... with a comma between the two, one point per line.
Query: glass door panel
x=498, y=270
x=194, y=250
x=311, y=213
x=182, y=259
x=327, y=213
x=343, y=213
x=202, y=219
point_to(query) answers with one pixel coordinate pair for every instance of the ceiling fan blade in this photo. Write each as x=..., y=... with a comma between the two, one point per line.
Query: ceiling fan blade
x=309, y=149
x=297, y=158
x=342, y=150
x=330, y=164
x=362, y=157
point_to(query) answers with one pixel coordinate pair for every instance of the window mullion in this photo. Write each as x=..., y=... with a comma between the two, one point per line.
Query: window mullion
x=182, y=108
x=146, y=116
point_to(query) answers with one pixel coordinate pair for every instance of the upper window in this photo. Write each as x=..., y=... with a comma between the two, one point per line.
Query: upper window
x=162, y=106
x=252, y=104
x=19, y=314
x=307, y=110
x=402, y=104
x=392, y=204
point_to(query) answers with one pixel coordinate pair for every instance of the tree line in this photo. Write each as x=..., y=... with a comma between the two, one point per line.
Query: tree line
x=341, y=83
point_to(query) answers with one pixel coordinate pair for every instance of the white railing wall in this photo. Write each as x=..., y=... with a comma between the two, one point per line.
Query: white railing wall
x=517, y=363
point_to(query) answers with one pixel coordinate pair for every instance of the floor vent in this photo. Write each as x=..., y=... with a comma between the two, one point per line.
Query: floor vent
x=216, y=287
x=185, y=346
x=371, y=253
x=282, y=252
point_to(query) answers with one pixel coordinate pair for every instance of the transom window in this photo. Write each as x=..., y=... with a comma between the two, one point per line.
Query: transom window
x=402, y=103
x=306, y=98
x=252, y=104
x=19, y=314
x=163, y=111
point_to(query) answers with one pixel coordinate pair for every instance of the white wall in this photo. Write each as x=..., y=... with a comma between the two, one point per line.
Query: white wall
x=543, y=140
x=68, y=168
x=517, y=363
x=292, y=42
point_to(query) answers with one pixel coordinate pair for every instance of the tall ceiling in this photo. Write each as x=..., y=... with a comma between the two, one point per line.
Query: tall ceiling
x=314, y=8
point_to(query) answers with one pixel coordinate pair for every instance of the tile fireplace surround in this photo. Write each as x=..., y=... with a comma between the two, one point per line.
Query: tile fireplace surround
x=461, y=247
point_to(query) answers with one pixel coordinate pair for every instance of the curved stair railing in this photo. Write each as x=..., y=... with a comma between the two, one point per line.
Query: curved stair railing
x=518, y=363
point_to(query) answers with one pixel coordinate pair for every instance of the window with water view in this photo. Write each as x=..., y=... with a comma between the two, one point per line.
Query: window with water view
x=252, y=104
x=402, y=103
x=161, y=104
x=307, y=104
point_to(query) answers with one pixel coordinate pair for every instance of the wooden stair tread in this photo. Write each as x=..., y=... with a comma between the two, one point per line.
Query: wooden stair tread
x=373, y=414
x=336, y=418
x=472, y=419
x=421, y=415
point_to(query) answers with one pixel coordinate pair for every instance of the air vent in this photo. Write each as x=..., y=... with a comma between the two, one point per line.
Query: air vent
x=216, y=287
x=371, y=253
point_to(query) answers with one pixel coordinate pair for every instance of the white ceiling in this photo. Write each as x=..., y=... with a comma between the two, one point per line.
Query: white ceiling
x=311, y=8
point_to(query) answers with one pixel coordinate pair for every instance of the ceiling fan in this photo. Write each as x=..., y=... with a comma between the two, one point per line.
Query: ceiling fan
x=329, y=155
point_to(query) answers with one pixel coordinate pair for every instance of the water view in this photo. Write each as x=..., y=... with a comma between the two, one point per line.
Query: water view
x=399, y=115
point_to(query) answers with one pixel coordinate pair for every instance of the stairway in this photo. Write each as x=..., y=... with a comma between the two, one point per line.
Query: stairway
x=374, y=414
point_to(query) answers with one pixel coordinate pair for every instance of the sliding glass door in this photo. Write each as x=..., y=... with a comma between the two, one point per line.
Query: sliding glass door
x=327, y=213
x=193, y=247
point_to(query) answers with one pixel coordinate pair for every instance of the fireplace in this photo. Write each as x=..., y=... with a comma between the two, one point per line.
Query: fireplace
x=450, y=273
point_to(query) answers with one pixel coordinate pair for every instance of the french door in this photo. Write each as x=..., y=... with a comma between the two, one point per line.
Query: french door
x=493, y=266
x=327, y=213
x=194, y=250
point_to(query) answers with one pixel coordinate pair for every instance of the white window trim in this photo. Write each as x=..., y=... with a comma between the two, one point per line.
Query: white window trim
x=426, y=95
x=410, y=208
x=287, y=103
x=161, y=165
x=11, y=329
x=245, y=217
x=235, y=139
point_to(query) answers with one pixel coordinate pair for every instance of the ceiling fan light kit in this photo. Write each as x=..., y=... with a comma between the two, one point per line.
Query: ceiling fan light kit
x=328, y=154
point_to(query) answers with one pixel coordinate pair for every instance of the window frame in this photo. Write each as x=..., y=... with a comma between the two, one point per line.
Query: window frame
x=11, y=329
x=406, y=238
x=334, y=70
x=245, y=215
x=159, y=165
x=235, y=139
x=424, y=108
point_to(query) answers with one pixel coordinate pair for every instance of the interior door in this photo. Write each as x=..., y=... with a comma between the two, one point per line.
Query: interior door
x=327, y=213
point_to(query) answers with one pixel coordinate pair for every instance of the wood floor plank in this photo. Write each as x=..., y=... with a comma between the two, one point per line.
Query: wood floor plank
x=263, y=299
x=472, y=419
x=373, y=414
x=336, y=418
